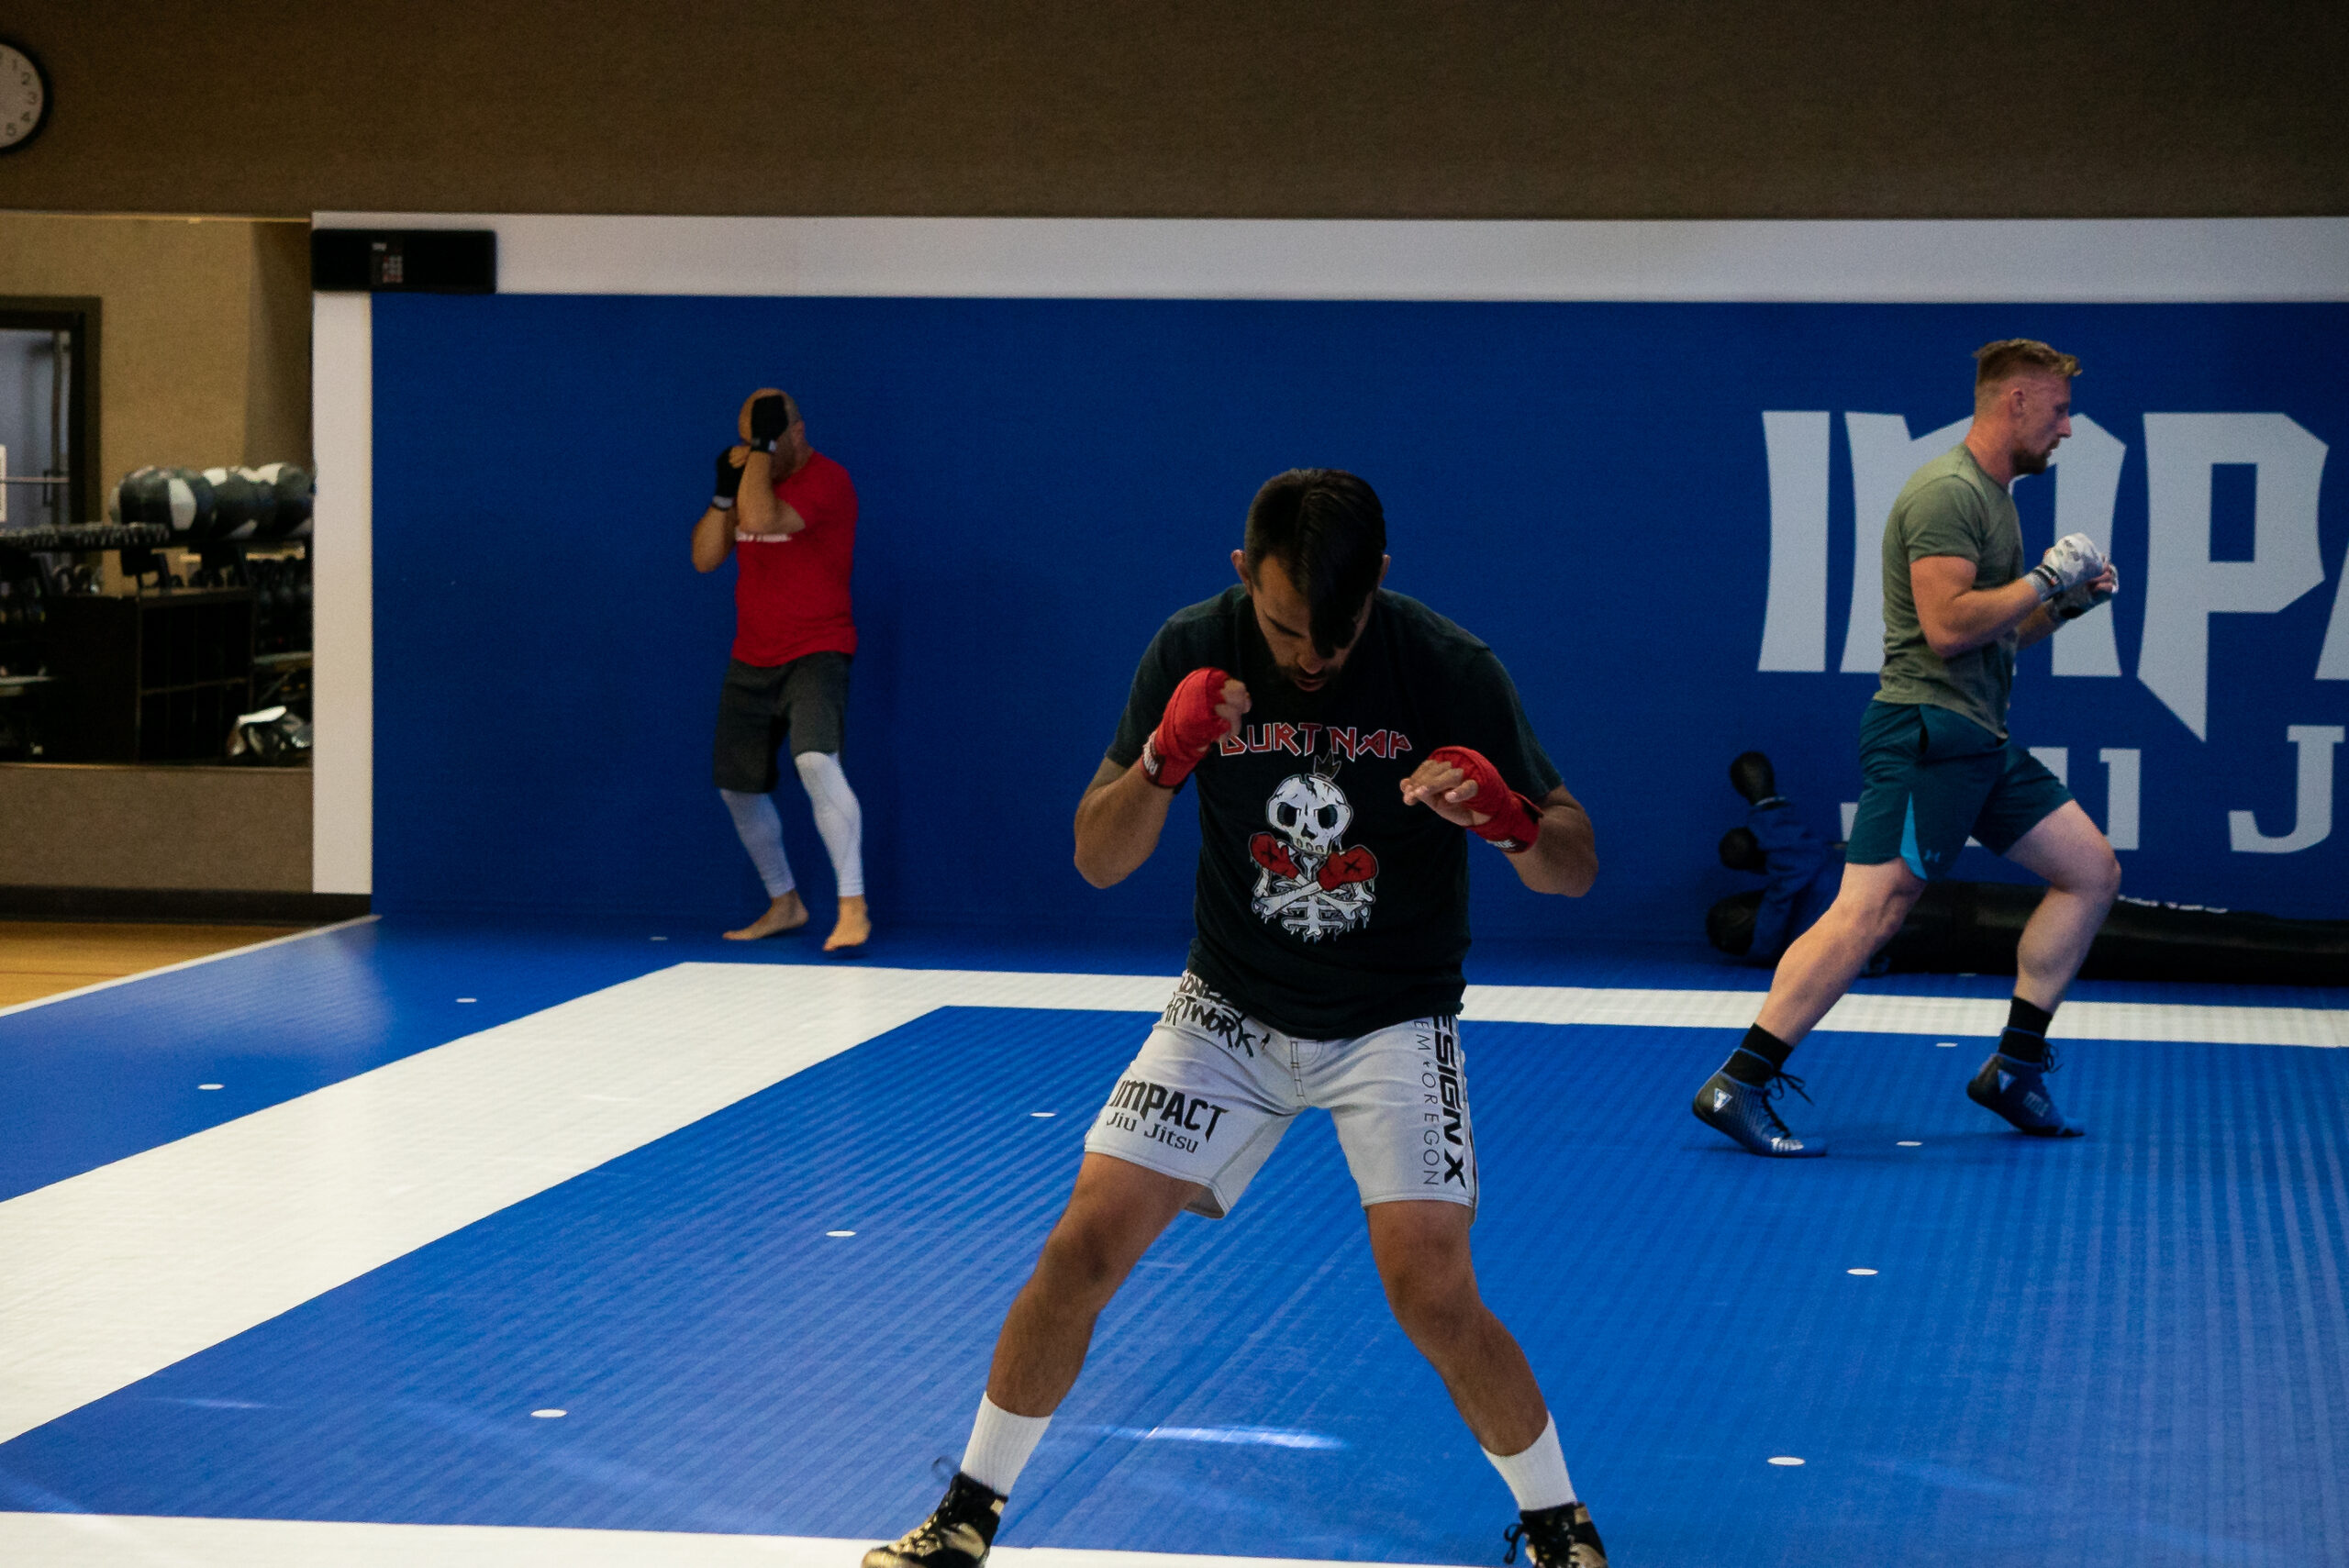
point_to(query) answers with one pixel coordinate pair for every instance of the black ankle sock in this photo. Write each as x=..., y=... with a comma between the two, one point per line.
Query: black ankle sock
x=1758, y=1057
x=2022, y=1015
x=2025, y=1037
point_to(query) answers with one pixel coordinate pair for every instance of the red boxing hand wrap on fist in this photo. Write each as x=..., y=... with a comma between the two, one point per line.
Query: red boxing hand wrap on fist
x=1515, y=821
x=1188, y=727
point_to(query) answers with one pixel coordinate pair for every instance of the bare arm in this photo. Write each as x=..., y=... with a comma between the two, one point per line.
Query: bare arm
x=1956, y=617
x=759, y=511
x=713, y=540
x=2038, y=626
x=1119, y=820
x=714, y=534
x=1118, y=823
x=1563, y=857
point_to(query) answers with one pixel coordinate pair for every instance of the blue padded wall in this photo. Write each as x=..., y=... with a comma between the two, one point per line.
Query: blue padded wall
x=1584, y=485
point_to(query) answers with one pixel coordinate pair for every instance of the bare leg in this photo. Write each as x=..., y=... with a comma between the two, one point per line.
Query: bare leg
x=1421, y=1249
x=1824, y=961
x=2082, y=878
x=1116, y=1212
x=785, y=914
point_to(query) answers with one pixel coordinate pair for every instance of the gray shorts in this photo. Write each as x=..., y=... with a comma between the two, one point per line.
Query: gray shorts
x=807, y=697
x=1213, y=1090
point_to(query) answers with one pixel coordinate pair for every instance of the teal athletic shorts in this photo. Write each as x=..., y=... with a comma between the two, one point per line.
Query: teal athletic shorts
x=1934, y=777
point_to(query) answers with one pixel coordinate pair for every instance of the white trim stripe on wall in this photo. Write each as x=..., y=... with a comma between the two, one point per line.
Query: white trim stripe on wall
x=2198, y=261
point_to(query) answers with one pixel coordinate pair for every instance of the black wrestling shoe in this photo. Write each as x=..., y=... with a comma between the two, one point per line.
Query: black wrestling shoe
x=1743, y=1111
x=1751, y=776
x=1562, y=1536
x=956, y=1535
x=2017, y=1090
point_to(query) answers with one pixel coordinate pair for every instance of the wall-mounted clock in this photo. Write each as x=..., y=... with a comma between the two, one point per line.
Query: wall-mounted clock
x=24, y=96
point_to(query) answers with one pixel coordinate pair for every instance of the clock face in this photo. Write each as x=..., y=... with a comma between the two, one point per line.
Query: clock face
x=24, y=97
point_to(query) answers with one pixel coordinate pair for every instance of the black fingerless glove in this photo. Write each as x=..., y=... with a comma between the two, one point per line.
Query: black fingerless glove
x=770, y=417
x=729, y=483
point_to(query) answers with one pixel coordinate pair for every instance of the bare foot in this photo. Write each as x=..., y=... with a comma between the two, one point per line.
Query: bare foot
x=854, y=929
x=786, y=914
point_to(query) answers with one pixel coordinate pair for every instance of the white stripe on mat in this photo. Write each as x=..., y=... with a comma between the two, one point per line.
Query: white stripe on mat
x=1983, y=1016
x=112, y=1275
x=119, y=1271
x=101, y=1541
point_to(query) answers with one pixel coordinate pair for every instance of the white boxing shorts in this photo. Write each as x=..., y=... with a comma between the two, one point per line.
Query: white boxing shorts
x=1213, y=1090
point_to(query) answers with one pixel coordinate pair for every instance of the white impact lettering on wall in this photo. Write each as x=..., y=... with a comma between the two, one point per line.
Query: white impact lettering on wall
x=2184, y=583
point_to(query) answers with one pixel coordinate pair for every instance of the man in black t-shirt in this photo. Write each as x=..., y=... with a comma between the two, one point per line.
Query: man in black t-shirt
x=1343, y=737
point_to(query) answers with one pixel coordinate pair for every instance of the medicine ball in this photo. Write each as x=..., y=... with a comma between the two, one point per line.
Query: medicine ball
x=264, y=503
x=188, y=499
x=234, y=503
x=295, y=489
x=135, y=495
x=177, y=498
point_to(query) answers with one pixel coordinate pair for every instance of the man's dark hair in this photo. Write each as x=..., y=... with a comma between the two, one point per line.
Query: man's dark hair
x=1327, y=529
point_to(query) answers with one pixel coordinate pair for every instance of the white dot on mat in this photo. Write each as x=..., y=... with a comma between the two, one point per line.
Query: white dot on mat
x=556, y=1415
x=1861, y=1272
x=464, y=998
x=1912, y=1143
x=1044, y=1113
x=1785, y=1459
x=208, y=1085
x=1946, y=1044
x=839, y=1232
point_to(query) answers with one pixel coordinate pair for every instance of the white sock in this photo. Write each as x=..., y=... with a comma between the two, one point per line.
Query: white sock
x=1000, y=1445
x=760, y=830
x=1537, y=1477
x=838, y=820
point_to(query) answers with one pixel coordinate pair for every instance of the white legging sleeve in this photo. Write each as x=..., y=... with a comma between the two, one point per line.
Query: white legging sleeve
x=760, y=830
x=838, y=818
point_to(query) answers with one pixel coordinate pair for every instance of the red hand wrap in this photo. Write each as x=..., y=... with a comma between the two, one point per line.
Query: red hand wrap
x=1515, y=822
x=1188, y=727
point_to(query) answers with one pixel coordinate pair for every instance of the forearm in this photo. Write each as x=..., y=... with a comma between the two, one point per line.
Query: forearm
x=1980, y=616
x=713, y=539
x=2038, y=626
x=1118, y=825
x=754, y=504
x=1564, y=856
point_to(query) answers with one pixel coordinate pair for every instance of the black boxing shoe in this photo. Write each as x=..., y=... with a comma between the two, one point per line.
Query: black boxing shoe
x=1744, y=1112
x=956, y=1535
x=2017, y=1089
x=1562, y=1536
x=1751, y=776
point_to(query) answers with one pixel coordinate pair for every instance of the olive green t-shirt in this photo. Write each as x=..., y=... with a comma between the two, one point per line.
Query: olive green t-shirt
x=1950, y=507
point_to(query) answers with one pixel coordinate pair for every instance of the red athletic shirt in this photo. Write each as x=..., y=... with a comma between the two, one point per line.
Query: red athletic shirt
x=791, y=590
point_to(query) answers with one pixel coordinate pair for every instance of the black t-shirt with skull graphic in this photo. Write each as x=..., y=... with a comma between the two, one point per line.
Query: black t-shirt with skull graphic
x=1326, y=906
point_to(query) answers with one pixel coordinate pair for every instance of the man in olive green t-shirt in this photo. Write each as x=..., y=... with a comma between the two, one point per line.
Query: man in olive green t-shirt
x=1940, y=766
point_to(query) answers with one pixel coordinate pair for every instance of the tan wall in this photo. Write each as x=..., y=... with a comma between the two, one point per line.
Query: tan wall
x=215, y=829
x=1492, y=108
x=203, y=338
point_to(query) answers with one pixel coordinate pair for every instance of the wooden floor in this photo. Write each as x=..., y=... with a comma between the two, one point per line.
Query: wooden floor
x=40, y=958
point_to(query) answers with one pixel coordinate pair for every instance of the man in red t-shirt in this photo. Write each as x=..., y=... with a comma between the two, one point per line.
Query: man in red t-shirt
x=787, y=512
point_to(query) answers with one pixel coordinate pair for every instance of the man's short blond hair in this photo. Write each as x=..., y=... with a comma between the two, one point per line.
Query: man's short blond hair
x=2010, y=357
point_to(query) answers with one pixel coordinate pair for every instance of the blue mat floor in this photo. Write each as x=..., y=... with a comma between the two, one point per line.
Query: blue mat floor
x=2126, y=1350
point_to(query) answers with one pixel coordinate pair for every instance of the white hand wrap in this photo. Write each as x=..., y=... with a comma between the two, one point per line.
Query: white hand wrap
x=2073, y=560
x=2081, y=597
